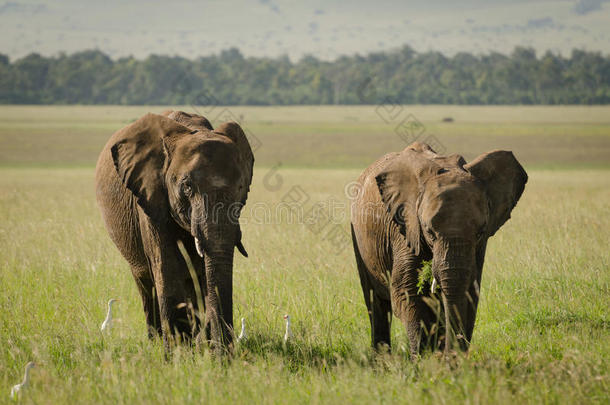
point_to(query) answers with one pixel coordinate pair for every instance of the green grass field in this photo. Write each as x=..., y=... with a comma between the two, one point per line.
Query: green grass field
x=542, y=333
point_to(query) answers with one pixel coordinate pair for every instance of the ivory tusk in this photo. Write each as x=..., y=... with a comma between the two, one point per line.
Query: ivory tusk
x=198, y=246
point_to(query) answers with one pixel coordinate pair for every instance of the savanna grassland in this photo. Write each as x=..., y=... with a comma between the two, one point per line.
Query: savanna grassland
x=542, y=332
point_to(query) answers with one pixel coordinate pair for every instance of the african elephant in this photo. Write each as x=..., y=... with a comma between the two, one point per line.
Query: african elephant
x=172, y=178
x=416, y=206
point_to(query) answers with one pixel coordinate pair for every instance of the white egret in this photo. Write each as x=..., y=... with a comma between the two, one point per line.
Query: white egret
x=107, y=324
x=24, y=384
x=242, y=334
x=288, y=334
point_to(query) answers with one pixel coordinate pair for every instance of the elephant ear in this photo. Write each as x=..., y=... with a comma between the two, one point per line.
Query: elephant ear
x=139, y=159
x=400, y=186
x=504, y=180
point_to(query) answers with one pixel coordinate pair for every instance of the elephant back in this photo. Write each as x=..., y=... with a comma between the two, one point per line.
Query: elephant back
x=192, y=121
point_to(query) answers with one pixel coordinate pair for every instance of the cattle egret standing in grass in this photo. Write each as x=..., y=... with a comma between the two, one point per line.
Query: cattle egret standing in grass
x=242, y=334
x=107, y=324
x=26, y=380
x=288, y=334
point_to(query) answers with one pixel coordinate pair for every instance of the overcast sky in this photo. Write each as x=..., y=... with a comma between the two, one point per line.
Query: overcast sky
x=325, y=29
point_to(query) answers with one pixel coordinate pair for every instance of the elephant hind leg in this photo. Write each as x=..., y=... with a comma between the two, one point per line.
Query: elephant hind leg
x=150, y=302
x=381, y=321
x=378, y=308
x=380, y=315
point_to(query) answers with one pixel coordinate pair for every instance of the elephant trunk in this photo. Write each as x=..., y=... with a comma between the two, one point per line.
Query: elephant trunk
x=453, y=267
x=219, y=299
x=455, y=319
x=215, y=235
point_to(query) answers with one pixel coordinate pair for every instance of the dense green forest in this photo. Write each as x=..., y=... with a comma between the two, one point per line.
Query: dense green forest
x=401, y=76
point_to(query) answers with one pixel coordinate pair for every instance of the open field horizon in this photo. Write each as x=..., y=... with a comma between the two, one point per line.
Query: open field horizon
x=326, y=136
x=542, y=333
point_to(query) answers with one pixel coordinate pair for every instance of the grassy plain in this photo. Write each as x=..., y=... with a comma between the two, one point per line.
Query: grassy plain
x=542, y=334
x=325, y=136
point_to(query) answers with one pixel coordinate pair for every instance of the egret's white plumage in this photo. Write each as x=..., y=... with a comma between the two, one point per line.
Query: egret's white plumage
x=107, y=324
x=242, y=334
x=24, y=384
x=288, y=334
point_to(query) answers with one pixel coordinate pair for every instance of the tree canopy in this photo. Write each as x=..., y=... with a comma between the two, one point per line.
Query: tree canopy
x=401, y=76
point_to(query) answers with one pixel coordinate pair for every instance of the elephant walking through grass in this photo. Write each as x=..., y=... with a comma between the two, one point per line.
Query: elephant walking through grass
x=416, y=206
x=172, y=178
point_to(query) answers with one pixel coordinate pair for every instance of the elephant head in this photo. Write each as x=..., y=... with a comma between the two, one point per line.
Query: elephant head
x=183, y=173
x=448, y=209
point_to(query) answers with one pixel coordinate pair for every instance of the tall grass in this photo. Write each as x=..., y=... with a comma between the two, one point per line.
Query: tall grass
x=542, y=333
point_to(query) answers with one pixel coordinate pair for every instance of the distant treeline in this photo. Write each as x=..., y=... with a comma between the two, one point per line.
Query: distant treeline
x=402, y=76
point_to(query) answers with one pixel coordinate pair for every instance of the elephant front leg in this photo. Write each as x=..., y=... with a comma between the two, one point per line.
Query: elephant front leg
x=172, y=285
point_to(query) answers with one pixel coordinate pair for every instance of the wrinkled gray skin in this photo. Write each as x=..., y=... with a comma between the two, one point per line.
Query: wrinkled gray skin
x=414, y=206
x=167, y=179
